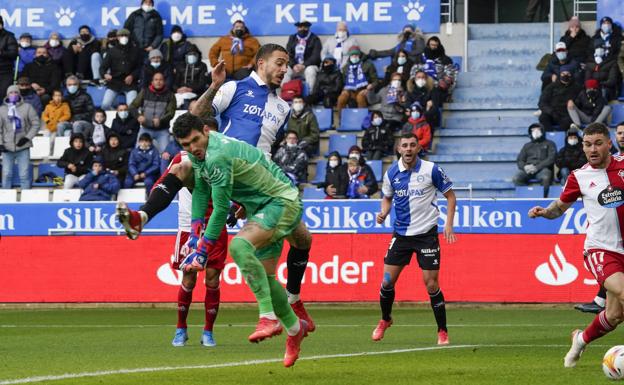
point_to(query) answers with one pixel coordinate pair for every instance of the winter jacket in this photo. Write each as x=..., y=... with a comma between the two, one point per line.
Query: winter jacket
x=421, y=129
x=555, y=97
x=368, y=68
x=554, y=68
x=194, y=76
x=539, y=152
x=8, y=52
x=153, y=104
x=436, y=64
x=55, y=53
x=116, y=159
x=82, y=158
x=378, y=138
x=414, y=46
x=306, y=127
x=146, y=28
x=336, y=177
x=81, y=106
x=591, y=106
x=33, y=99
x=55, y=113
x=571, y=157
x=47, y=74
x=293, y=161
x=381, y=101
x=80, y=63
x=329, y=48
x=122, y=61
x=312, y=53
x=578, y=46
x=612, y=43
x=127, y=129
x=222, y=50
x=175, y=53
x=147, y=73
x=107, y=183
x=405, y=70
x=608, y=75
x=88, y=135
x=362, y=178
x=30, y=126
x=328, y=84
x=25, y=56
x=144, y=161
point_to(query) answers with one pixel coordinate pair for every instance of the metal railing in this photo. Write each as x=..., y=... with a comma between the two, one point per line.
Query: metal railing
x=447, y=11
x=584, y=7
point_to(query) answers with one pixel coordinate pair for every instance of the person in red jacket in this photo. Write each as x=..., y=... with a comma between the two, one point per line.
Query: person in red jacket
x=417, y=124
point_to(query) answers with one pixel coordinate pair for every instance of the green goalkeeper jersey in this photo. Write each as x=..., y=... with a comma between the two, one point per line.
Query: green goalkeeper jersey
x=235, y=171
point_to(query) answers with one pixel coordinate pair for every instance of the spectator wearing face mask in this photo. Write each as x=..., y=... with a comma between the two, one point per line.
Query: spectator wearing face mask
x=121, y=69
x=156, y=64
x=96, y=134
x=125, y=126
x=378, y=139
x=29, y=95
x=328, y=85
x=389, y=101
x=175, y=48
x=605, y=70
x=304, y=53
x=437, y=65
x=145, y=26
x=238, y=49
x=418, y=125
x=420, y=89
x=589, y=106
x=571, y=156
x=359, y=78
x=536, y=159
x=81, y=106
x=402, y=65
x=115, y=157
x=554, y=99
x=355, y=152
x=559, y=59
x=82, y=58
x=609, y=37
x=191, y=78
x=303, y=123
x=292, y=159
x=410, y=40
x=337, y=46
x=26, y=51
x=55, y=48
x=335, y=184
x=578, y=43
x=8, y=54
x=44, y=74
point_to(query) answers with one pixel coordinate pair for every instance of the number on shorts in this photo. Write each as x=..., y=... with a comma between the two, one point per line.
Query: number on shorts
x=391, y=243
x=594, y=259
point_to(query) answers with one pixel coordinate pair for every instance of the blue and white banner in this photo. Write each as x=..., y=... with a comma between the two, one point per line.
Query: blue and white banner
x=322, y=216
x=612, y=8
x=215, y=17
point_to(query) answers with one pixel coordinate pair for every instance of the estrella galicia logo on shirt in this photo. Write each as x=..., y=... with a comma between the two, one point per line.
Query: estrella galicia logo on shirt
x=611, y=197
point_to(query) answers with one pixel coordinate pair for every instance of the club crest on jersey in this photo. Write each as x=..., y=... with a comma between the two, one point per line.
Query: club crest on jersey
x=611, y=197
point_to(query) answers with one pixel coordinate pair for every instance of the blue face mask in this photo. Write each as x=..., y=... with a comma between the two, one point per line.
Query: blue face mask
x=605, y=28
x=72, y=89
x=155, y=65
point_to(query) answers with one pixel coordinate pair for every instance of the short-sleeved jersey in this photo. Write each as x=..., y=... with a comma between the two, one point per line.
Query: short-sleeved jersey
x=413, y=193
x=602, y=191
x=250, y=111
x=236, y=171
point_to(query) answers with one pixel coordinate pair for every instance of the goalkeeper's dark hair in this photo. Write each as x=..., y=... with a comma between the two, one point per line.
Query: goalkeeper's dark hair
x=597, y=128
x=188, y=122
x=266, y=50
x=408, y=135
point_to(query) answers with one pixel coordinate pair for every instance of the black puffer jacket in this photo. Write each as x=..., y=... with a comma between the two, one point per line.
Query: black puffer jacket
x=47, y=74
x=127, y=129
x=540, y=152
x=82, y=158
x=122, y=61
x=378, y=138
x=146, y=29
x=312, y=53
x=578, y=46
x=116, y=159
x=194, y=76
x=571, y=157
x=590, y=105
x=8, y=51
x=608, y=75
x=337, y=177
x=555, y=97
x=81, y=106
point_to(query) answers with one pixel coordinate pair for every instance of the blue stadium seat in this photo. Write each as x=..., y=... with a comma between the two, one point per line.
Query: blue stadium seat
x=457, y=61
x=377, y=167
x=559, y=137
x=15, y=181
x=554, y=191
x=351, y=119
x=617, y=114
x=49, y=168
x=529, y=192
x=97, y=94
x=324, y=117
x=319, y=175
x=313, y=193
x=341, y=143
x=381, y=64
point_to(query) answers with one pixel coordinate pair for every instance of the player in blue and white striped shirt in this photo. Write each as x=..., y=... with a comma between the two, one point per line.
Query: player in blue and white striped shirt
x=411, y=184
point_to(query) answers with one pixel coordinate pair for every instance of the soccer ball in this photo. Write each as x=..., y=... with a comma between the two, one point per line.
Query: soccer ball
x=613, y=363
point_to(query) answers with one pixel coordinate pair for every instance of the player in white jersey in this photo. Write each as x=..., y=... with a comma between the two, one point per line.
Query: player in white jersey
x=412, y=185
x=600, y=183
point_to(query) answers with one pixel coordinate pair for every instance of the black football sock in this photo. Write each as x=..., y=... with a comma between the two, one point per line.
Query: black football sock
x=602, y=293
x=439, y=310
x=386, y=299
x=297, y=262
x=161, y=195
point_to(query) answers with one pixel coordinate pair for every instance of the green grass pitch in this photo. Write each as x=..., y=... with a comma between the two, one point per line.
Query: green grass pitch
x=489, y=345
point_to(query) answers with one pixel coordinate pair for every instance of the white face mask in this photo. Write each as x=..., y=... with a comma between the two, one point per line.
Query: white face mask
x=605, y=28
x=54, y=43
x=123, y=40
x=377, y=121
x=24, y=44
x=176, y=37
x=291, y=145
x=146, y=8
x=297, y=107
x=415, y=114
x=333, y=163
x=341, y=35
x=354, y=155
x=191, y=59
x=395, y=83
x=536, y=134
x=561, y=55
x=420, y=83
x=573, y=141
x=598, y=59
x=72, y=89
x=155, y=64
x=354, y=59
x=401, y=60
x=123, y=114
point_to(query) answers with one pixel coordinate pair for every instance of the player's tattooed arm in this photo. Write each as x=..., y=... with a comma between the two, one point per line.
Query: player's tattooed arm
x=554, y=210
x=203, y=107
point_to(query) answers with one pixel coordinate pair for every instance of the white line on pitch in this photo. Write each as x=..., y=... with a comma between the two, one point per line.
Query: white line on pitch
x=39, y=326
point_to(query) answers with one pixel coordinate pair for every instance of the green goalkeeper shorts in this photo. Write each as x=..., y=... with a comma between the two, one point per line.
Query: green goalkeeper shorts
x=282, y=216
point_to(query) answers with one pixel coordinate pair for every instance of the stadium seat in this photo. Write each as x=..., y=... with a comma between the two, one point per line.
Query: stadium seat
x=131, y=195
x=351, y=119
x=60, y=144
x=8, y=195
x=559, y=137
x=51, y=169
x=324, y=118
x=457, y=62
x=555, y=191
x=529, y=192
x=16, y=180
x=35, y=196
x=40, y=148
x=377, y=167
x=617, y=114
x=381, y=64
x=97, y=94
x=66, y=195
x=313, y=193
x=321, y=169
x=341, y=143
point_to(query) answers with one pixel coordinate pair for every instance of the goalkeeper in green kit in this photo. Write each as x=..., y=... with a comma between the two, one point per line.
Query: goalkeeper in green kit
x=228, y=170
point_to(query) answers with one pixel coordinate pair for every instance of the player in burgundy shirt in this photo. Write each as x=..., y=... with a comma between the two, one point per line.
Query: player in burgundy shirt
x=600, y=183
